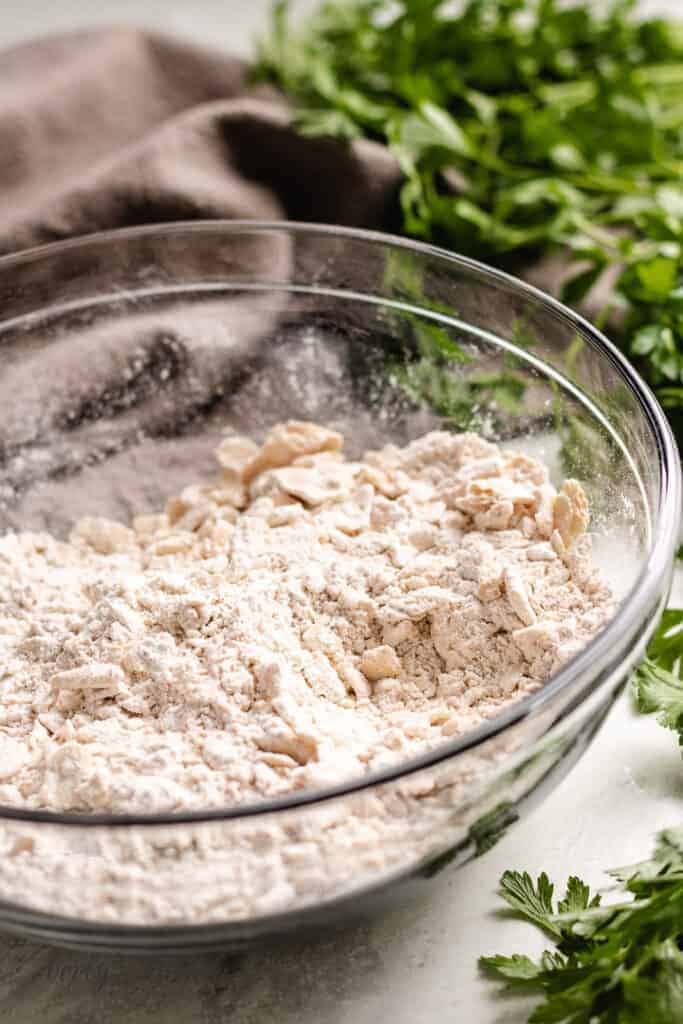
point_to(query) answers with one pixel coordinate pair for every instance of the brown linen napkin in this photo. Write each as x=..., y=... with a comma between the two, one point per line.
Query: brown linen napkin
x=120, y=127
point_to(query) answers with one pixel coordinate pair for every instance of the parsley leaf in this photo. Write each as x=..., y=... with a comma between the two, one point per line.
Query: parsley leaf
x=577, y=897
x=666, y=647
x=535, y=902
x=660, y=691
x=619, y=962
x=658, y=681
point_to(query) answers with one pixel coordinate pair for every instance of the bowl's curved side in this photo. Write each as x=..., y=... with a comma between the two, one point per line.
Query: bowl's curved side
x=122, y=882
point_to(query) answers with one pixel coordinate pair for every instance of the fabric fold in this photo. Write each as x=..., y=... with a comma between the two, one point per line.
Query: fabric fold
x=122, y=127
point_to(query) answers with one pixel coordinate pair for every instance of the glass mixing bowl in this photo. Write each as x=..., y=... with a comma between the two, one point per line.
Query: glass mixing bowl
x=126, y=355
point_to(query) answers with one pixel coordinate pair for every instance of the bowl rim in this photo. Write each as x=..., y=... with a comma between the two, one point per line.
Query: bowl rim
x=641, y=597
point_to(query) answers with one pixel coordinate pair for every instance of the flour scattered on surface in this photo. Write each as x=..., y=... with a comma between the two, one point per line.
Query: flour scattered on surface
x=298, y=621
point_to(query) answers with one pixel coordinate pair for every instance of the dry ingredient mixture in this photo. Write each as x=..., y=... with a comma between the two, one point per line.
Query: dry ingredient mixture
x=298, y=621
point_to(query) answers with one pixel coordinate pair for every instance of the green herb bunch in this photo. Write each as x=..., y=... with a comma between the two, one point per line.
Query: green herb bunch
x=617, y=963
x=658, y=681
x=523, y=128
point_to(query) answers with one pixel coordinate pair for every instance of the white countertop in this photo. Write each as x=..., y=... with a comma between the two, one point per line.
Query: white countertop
x=419, y=965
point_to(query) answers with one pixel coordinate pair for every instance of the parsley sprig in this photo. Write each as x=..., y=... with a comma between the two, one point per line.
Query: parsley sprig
x=523, y=128
x=618, y=962
x=658, y=681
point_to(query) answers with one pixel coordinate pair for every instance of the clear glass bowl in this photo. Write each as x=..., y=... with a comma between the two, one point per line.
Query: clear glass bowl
x=125, y=355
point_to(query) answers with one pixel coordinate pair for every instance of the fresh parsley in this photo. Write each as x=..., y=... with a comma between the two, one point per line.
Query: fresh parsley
x=523, y=128
x=658, y=681
x=618, y=962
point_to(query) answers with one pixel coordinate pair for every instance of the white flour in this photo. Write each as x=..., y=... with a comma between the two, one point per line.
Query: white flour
x=300, y=621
